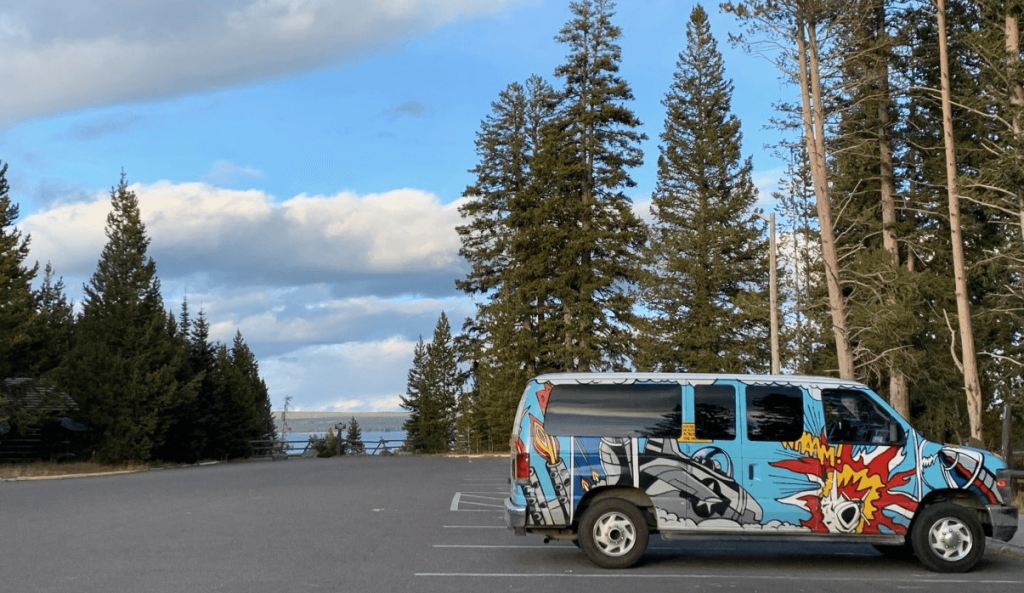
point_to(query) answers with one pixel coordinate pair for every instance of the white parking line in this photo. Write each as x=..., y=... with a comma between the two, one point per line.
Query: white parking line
x=505, y=546
x=460, y=500
x=474, y=527
x=485, y=497
x=563, y=546
x=481, y=504
x=635, y=575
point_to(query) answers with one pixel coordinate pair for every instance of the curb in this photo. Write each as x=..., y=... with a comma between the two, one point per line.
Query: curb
x=70, y=476
x=1005, y=549
x=99, y=474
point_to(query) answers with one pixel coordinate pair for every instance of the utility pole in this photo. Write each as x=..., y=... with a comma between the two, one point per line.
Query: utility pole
x=773, y=292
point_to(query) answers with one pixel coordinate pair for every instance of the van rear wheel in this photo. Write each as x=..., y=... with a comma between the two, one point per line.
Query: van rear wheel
x=948, y=538
x=613, y=533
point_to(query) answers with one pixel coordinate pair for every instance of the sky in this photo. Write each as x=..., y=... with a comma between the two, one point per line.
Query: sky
x=299, y=163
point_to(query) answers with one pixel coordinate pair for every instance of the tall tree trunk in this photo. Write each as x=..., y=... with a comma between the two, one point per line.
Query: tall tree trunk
x=814, y=136
x=969, y=363
x=899, y=391
x=1016, y=91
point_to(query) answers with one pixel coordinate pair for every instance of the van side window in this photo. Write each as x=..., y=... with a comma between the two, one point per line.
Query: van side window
x=714, y=408
x=651, y=410
x=774, y=413
x=853, y=417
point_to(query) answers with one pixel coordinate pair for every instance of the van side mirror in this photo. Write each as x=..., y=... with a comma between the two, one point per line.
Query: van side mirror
x=895, y=432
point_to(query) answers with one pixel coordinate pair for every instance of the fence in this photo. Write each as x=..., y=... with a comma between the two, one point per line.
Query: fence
x=280, y=449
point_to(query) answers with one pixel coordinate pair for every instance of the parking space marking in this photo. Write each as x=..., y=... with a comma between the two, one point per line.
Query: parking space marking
x=635, y=575
x=491, y=503
x=505, y=546
x=474, y=527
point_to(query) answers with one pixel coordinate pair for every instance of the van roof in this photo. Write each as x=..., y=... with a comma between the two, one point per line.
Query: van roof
x=688, y=377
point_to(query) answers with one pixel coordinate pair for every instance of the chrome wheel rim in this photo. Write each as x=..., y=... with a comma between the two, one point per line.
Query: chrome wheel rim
x=950, y=539
x=614, y=534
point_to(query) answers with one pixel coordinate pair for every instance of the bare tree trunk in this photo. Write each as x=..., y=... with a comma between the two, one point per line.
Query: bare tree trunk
x=814, y=135
x=1012, y=57
x=1017, y=91
x=970, y=366
x=899, y=390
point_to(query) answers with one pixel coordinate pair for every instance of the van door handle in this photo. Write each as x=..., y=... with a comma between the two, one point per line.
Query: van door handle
x=750, y=471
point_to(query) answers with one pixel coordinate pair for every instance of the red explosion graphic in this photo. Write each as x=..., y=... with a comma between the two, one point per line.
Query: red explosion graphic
x=850, y=491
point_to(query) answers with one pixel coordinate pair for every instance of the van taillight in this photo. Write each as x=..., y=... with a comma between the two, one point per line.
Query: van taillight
x=1004, y=485
x=522, y=476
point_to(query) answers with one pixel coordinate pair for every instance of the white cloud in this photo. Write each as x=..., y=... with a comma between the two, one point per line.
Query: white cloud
x=245, y=236
x=62, y=56
x=354, y=376
x=330, y=292
x=767, y=182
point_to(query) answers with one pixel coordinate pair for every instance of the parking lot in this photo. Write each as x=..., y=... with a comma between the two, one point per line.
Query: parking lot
x=378, y=525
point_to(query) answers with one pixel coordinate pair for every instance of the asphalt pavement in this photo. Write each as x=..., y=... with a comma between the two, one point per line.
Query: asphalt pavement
x=382, y=525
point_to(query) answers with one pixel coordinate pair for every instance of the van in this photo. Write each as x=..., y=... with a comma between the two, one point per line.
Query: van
x=606, y=459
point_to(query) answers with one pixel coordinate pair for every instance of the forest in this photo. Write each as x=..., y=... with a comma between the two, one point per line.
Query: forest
x=123, y=379
x=901, y=219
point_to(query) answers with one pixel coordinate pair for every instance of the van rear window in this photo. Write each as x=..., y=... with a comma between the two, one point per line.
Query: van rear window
x=640, y=410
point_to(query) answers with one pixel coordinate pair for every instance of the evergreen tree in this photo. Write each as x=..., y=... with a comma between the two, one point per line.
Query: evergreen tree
x=809, y=348
x=253, y=397
x=435, y=383
x=54, y=325
x=510, y=337
x=585, y=222
x=17, y=301
x=354, y=437
x=414, y=399
x=186, y=437
x=707, y=277
x=122, y=366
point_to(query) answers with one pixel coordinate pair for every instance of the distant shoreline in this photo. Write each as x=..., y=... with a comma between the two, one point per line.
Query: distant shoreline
x=322, y=421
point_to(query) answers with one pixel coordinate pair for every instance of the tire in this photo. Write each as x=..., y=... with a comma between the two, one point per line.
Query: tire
x=896, y=551
x=948, y=537
x=613, y=534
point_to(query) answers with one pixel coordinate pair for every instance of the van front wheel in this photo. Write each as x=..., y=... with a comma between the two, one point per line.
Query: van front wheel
x=948, y=538
x=613, y=534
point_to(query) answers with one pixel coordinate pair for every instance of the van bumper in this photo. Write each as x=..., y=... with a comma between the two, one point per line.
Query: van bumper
x=515, y=517
x=1003, y=520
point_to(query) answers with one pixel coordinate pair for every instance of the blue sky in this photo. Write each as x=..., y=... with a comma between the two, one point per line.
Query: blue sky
x=299, y=162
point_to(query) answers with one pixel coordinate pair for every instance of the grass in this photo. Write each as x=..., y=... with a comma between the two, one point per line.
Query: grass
x=45, y=469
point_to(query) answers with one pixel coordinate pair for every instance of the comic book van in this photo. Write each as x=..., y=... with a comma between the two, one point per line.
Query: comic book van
x=607, y=459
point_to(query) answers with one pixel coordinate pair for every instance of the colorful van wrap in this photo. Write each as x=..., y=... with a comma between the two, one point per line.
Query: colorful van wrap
x=729, y=458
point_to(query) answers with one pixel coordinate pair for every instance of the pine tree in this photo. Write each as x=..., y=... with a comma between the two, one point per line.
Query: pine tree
x=809, y=347
x=252, y=398
x=17, y=301
x=586, y=223
x=54, y=324
x=122, y=367
x=510, y=337
x=186, y=438
x=805, y=31
x=354, y=437
x=706, y=279
x=414, y=399
x=432, y=395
